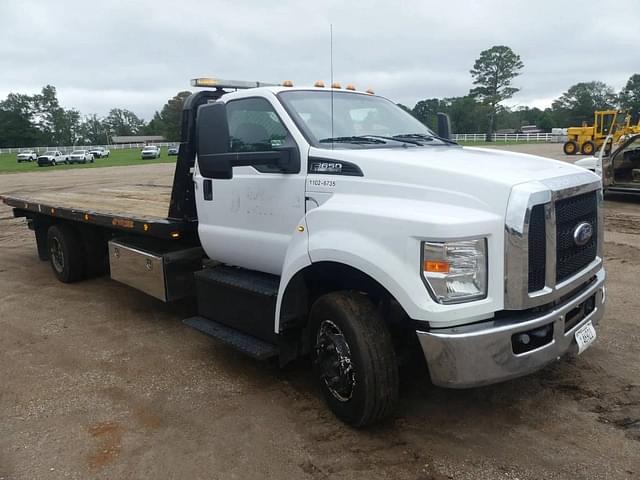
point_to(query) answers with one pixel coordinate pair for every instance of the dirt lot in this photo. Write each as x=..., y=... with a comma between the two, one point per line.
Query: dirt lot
x=100, y=381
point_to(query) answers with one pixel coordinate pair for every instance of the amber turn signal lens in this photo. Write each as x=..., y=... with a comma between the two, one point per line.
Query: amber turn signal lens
x=436, y=266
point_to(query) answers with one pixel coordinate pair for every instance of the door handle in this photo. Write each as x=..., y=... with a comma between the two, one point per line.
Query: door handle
x=207, y=189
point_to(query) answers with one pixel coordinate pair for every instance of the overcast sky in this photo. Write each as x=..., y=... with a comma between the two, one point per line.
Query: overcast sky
x=133, y=54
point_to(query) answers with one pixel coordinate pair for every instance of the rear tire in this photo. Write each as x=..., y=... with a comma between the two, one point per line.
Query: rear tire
x=66, y=253
x=353, y=358
x=570, y=147
x=588, y=148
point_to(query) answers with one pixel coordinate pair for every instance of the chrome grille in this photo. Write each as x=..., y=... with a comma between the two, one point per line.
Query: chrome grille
x=542, y=260
x=570, y=212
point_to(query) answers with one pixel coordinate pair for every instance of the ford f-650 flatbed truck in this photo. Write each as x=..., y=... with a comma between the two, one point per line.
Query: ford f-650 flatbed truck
x=331, y=223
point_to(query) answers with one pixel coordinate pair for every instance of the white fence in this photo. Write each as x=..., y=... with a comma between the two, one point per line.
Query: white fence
x=67, y=149
x=458, y=137
x=510, y=137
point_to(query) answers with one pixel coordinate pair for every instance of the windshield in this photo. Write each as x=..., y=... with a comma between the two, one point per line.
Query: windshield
x=77, y=152
x=357, y=118
x=50, y=153
x=147, y=149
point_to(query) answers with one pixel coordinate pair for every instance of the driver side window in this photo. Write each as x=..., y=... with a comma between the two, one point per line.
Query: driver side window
x=254, y=126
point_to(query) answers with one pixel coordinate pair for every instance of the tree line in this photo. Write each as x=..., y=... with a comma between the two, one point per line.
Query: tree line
x=40, y=120
x=481, y=110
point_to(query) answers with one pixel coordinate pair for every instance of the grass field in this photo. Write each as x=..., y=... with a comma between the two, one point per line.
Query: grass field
x=8, y=163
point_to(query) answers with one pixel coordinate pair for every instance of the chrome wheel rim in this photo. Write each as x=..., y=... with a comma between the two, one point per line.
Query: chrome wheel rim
x=333, y=359
x=57, y=255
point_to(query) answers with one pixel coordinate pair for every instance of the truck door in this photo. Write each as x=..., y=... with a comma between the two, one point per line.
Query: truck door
x=248, y=220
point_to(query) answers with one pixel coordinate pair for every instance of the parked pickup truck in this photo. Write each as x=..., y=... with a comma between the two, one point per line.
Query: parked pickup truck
x=150, y=151
x=26, y=156
x=331, y=223
x=52, y=158
x=81, y=156
x=100, y=152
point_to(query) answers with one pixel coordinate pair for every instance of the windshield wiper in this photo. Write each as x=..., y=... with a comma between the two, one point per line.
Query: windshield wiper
x=425, y=137
x=398, y=138
x=353, y=139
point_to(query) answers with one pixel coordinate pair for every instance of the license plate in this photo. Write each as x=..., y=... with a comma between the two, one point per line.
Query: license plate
x=585, y=336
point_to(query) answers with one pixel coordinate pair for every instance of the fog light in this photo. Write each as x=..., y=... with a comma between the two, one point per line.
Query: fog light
x=524, y=342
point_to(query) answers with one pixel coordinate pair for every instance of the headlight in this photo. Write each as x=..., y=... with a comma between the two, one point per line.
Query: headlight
x=456, y=271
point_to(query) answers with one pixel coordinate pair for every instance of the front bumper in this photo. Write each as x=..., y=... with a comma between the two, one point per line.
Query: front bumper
x=483, y=353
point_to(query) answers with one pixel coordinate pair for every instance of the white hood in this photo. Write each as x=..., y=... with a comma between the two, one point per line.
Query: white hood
x=470, y=177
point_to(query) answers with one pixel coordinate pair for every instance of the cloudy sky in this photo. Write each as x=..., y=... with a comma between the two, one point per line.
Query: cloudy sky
x=136, y=54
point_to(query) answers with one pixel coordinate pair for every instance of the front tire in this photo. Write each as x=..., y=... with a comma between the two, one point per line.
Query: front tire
x=570, y=147
x=353, y=358
x=66, y=253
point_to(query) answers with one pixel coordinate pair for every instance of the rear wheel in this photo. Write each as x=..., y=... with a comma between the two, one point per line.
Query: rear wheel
x=588, y=148
x=570, y=147
x=353, y=358
x=66, y=253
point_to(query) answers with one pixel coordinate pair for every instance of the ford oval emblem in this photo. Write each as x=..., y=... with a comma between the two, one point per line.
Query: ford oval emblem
x=582, y=234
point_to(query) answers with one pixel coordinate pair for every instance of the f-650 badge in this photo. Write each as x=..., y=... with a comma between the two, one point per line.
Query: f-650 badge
x=326, y=167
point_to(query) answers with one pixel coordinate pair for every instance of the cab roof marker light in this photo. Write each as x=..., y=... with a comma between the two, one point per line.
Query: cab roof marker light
x=335, y=85
x=319, y=84
x=350, y=86
x=206, y=82
x=287, y=83
x=370, y=91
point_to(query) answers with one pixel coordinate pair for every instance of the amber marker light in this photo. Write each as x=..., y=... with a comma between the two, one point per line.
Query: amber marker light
x=351, y=86
x=319, y=84
x=174, y=234
x=335, y=85
x=436, y=266
x=370, y=91
x=86, y=217
x=287, y=83
x=145, y=227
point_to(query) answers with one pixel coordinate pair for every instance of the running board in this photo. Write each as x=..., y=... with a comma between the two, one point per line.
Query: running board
x=248, y=344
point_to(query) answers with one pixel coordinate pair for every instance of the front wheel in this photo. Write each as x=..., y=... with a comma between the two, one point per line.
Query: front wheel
x=353, y=358
x=570, y=147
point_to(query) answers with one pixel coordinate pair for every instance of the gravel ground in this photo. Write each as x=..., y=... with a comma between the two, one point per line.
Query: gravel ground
x=100, y=381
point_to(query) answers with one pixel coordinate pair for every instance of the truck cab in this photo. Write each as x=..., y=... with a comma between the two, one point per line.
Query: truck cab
x=491, y=260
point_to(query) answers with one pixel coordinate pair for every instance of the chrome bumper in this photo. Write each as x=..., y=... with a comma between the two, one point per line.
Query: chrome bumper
x=482, y=353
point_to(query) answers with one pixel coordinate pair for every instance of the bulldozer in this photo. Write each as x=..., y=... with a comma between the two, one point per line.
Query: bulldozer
x=586, y=139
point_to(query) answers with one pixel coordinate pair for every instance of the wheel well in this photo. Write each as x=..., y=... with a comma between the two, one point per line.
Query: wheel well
x=320, y=278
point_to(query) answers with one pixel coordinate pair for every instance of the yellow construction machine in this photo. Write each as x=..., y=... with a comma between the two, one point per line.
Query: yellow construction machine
x=587, y=139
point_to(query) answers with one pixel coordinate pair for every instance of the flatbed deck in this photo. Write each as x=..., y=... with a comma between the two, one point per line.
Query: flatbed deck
x=138, y=207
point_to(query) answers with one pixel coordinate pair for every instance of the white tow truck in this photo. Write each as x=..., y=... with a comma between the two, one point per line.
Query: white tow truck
x=329, y=222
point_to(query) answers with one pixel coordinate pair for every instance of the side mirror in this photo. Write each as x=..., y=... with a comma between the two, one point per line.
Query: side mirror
x=212, y=139
x=444, y=125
